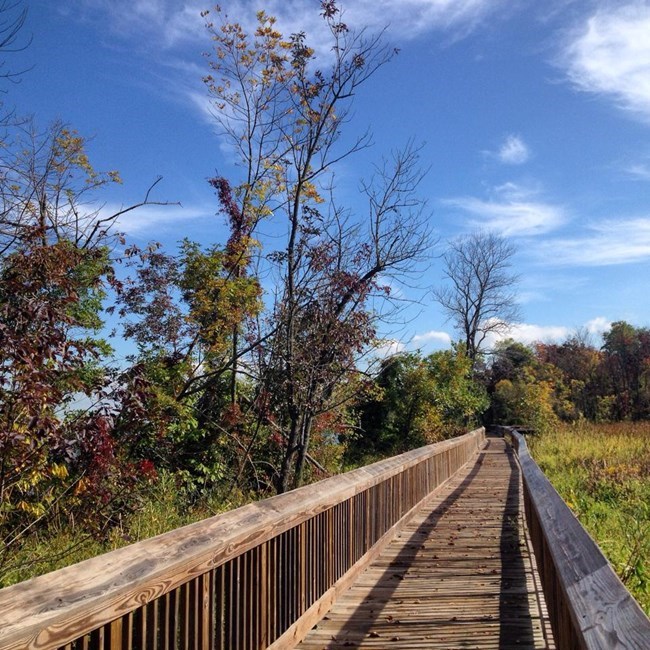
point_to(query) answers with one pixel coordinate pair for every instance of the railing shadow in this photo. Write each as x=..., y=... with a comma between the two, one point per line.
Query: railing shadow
x=514, y=614
x=516, y=624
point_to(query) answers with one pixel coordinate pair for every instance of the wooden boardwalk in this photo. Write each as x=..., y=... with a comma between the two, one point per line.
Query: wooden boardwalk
x=460, y=574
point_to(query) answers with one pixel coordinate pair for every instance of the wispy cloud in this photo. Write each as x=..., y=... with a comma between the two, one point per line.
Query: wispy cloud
x=513, y=212
x=638, y=171
x=410, y=18
x=513, y=151
x=174, y=22
x=149, y=219
x=610, y=54
x=154, y=23
x=608, y=242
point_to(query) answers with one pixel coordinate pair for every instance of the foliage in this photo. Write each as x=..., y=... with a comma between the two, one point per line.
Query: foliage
x=162, y=508
x=283, y=117
x=55, y=271
x=417, y=401
x=601, y=471
x=540, y=384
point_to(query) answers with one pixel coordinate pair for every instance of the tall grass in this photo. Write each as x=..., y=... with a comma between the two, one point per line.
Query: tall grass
x=603, y=473
x=162, y=510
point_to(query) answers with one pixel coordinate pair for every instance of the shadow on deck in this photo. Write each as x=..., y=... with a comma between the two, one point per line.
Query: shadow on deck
x=459, y=575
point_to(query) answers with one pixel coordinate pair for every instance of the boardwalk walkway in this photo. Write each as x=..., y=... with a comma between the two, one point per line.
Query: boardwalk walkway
x=459, y=575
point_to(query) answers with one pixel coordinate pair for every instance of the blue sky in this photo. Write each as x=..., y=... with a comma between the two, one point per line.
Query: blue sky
x=534, y=118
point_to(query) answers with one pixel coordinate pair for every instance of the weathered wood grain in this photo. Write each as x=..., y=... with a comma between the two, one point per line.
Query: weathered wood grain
x=589, y=606
x=460, y=575
x=56, y=609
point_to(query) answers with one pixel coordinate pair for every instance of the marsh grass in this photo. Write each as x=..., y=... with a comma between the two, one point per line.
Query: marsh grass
x=603, y=474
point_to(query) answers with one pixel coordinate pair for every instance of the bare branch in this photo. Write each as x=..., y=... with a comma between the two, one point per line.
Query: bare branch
x=480, y=297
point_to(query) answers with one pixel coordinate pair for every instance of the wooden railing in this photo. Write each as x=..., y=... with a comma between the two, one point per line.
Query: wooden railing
x=256, y=577
x=588, y=605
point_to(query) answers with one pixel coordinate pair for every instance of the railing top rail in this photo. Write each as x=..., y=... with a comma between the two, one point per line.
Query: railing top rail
x=111, y=585
x=603, y=611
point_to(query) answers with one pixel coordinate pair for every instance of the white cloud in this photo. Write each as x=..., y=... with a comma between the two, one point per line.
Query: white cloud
x=514, y=151
x=172, y=22
x=639, y=171
x=148, y=219
x=432, y=336
x=388, y=348
x=513, y=212
x=410, y=18
x=610, y=55
x=598, y=326
x=154, y=23
x=528, y=333
x=611, y=241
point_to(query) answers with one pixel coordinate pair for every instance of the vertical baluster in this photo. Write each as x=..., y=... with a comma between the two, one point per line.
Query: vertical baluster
x=330, y=548
x=251, y=587
x=293, y=591
x=280, y=586
x=152, y=625
x=235, y=610
x=219, y=608
x=184, y=613
x=115, y=635
x=140, y=627
x=273, y=591
x=169, y=629
x=258, y=588
x=302, y=568
x=206, y=603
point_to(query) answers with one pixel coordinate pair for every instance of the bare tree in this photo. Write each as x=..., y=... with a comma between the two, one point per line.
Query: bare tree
x=48, y=186
x=479, y=297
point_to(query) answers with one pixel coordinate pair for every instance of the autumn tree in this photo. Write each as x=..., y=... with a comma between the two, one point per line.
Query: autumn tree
x=523, y=389
x=627, y=360
x=479, y=295
x=183, y=310
x=579, y=364
x=283, y=116
x=55, y=269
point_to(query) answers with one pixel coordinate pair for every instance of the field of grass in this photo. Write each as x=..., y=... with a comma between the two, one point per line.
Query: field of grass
x=603, y=474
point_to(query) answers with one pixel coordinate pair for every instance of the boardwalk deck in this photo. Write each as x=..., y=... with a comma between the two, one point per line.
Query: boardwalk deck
x=459, y=575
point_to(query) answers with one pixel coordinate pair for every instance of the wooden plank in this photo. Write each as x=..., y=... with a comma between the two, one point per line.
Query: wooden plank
x=459, y=575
